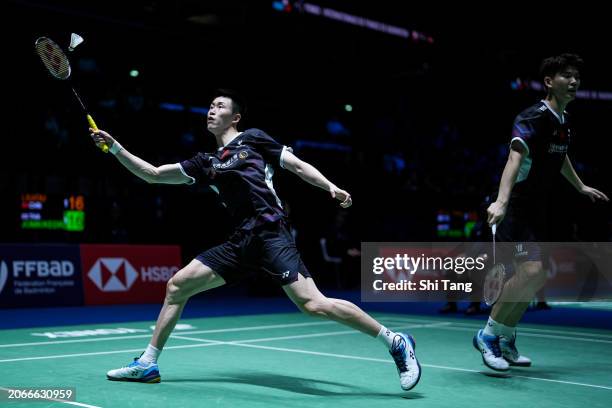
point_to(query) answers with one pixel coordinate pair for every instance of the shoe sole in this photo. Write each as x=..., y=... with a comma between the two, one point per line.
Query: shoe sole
x=152, y=380
x=518, y=364
x=475, y=344
x=413, y=343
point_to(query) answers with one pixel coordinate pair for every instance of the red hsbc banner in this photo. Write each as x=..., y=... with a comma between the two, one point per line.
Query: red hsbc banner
x=121, y=274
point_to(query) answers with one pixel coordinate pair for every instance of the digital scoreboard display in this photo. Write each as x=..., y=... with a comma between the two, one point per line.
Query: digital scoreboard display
x=52, y=212
x=455, y=223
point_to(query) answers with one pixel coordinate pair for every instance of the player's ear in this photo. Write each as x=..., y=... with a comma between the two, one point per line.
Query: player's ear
x=548, y=82
x=237, y=118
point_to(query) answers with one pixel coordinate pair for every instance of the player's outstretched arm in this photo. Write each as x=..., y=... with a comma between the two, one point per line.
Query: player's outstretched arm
x=310, y=174
x=497, y=210
x=165, y=174
x=570, y=175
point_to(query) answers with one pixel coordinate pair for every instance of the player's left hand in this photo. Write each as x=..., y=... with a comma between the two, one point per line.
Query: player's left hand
x=593, y=193
x=341, y=195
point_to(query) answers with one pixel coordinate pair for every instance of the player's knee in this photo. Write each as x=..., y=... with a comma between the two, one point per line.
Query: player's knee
x=171, y=289
x=175, y=290
x=534, y=274
x=316, y=307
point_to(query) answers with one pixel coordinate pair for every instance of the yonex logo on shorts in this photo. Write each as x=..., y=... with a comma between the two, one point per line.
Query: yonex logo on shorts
x=113, y=274
x=520, y=250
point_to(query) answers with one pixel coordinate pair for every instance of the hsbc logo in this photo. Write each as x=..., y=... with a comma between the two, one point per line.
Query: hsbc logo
x=113, y=274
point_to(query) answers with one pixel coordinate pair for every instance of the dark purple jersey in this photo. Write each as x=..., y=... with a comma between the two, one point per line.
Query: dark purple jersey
x=546, y=137
x=241, y=174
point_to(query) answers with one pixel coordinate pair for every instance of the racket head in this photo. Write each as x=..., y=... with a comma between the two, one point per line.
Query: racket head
x=494, y=283
x=52, y=56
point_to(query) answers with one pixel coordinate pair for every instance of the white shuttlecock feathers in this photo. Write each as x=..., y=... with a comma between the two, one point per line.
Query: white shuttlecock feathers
x=75, y=40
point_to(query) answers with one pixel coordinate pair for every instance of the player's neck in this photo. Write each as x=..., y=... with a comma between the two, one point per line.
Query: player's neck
x=557, y=105
x=227, y=136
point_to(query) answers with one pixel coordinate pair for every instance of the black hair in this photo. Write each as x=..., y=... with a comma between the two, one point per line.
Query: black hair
x=554, y=65
x=238, y=101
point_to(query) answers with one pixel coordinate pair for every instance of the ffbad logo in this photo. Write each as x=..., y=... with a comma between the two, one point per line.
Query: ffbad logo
x=3, y=275
x=113, y=274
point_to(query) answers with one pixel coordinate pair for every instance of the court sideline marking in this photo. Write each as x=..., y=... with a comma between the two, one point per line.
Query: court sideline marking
x=243, y=343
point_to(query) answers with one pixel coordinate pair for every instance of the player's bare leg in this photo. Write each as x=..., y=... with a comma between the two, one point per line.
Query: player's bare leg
x=307, y=297
x=497, y=341
x=193, y=278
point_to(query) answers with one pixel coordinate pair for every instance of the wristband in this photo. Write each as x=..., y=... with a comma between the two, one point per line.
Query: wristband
x=114, y=149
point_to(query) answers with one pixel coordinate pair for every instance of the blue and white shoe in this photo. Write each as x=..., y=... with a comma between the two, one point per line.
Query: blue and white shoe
x=511, y=354
x=408, y=367
x=490, y=350
x=136, y=372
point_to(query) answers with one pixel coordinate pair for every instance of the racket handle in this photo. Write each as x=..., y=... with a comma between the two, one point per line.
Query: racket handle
x=92, y=125
x=494, y=228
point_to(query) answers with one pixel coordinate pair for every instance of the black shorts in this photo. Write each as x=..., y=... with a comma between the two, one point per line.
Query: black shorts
x=269, y=247
x=525, y=225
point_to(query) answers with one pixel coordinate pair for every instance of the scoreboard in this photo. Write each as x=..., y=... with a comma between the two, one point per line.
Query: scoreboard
x=455, y=223
x=52, y=212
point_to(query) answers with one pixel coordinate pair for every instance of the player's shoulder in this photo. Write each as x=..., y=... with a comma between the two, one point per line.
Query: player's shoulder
x=253, y=132
x=254, y=135
x=535, y=112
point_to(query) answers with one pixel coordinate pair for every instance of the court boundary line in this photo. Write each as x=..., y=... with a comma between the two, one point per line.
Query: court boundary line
x=207, y=341
x=523, y=333
x=303, y=336
x=247, y=343
x=423, y=365
x=139, y=336
x=242, y=343
x=97, y=353
x=477, y=326
x=443, y=325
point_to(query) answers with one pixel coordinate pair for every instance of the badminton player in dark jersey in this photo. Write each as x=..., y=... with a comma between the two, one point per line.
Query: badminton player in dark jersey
x=541, y=137
x=240, y=172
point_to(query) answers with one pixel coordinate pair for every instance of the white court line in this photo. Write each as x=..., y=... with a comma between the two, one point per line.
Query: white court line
x=477, y=326
x=300, y=336
x=423, y=365
x=140, y=336
x=208, y=342
x=524, y=334
x=79, y=404
x=197, y=339
x=522, y=330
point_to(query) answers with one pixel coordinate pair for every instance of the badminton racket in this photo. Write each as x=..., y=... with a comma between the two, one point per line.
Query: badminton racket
x=56, y=62
x=495, y=277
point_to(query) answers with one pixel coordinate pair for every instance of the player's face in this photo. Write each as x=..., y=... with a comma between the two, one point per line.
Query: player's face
x=220, y=116
x=565, y=84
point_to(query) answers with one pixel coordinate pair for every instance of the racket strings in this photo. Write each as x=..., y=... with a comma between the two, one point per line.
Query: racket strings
x=53, y=58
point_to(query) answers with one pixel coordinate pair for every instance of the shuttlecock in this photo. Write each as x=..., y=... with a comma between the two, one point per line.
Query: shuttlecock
x=75, y=40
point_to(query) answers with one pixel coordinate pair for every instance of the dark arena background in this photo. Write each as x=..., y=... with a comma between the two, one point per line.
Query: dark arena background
x=407, y=106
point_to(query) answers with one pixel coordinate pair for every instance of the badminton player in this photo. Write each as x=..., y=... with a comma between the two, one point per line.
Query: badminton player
x=538, y=156
x=240, y=172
